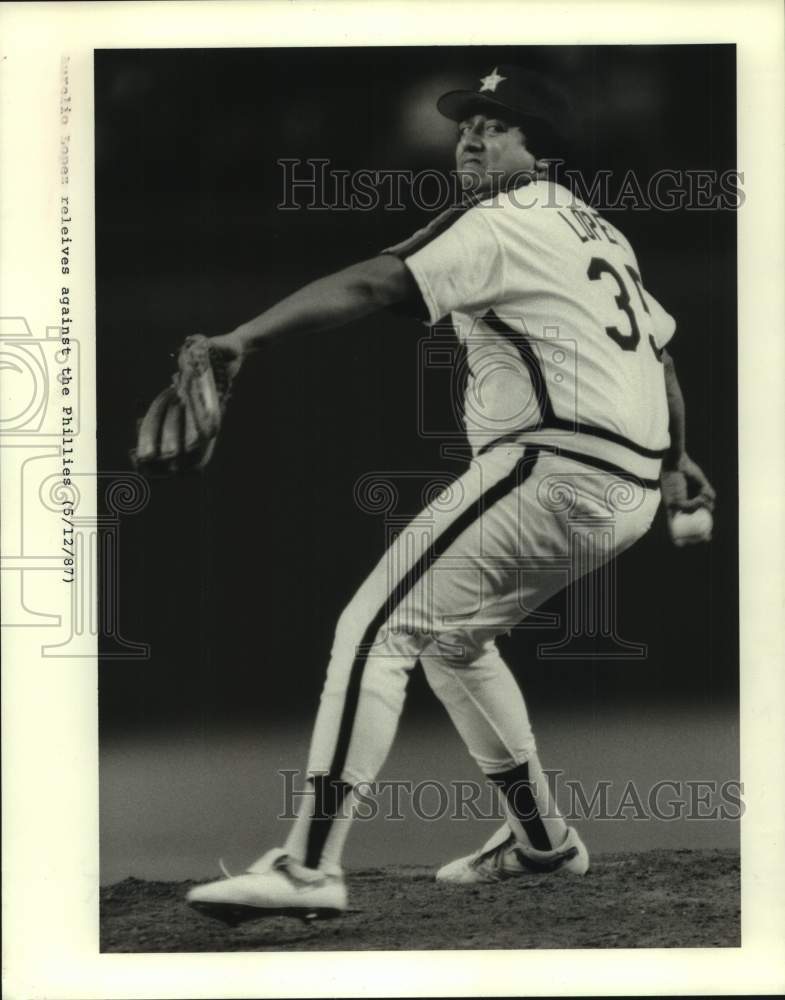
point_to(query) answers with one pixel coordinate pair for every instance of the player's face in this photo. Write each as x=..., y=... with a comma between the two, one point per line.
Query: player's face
x=491, y=150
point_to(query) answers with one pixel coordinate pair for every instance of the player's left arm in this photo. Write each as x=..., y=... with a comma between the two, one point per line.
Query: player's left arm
x=685, y=486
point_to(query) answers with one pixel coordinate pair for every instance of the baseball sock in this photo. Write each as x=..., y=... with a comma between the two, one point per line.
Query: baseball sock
x=531, y=810
x=319, y=831
x=330, y=859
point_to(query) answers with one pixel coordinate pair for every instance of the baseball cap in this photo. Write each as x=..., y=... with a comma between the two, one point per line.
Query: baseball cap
x=526, y=95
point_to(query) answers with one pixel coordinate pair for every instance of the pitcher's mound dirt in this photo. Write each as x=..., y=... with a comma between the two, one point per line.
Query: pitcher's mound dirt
x=656, y=899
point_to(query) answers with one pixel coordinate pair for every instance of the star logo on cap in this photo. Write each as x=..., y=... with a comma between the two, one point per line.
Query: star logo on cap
x=492, y=81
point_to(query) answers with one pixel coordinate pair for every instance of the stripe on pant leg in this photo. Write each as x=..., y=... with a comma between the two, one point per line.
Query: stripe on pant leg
x=317, y=833
x=517, y=788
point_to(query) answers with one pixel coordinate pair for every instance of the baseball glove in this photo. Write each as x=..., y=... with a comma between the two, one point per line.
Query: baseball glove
x=179, y=430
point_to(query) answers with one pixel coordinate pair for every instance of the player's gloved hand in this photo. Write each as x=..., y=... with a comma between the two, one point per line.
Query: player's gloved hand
x=228, y=348
x=179, y=430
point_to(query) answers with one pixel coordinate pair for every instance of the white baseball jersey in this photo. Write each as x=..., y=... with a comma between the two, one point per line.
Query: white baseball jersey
x=563, y=341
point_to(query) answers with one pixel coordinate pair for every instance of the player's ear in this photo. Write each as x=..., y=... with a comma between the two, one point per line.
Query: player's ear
x=542, y=167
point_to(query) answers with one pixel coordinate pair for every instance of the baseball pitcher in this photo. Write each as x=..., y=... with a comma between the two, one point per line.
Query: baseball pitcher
x=571, y=394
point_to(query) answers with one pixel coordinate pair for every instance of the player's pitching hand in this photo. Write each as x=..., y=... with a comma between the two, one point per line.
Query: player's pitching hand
x=685, y=486
x=689, y=499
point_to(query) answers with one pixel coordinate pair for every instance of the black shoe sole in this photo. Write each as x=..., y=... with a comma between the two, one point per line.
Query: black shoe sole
x=234, y=914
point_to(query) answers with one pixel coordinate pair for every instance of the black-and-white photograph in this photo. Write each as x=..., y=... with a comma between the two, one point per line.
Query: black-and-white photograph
x=419, y=369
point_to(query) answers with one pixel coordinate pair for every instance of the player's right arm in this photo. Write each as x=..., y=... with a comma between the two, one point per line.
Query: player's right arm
x=684, y=484
x=329, y=302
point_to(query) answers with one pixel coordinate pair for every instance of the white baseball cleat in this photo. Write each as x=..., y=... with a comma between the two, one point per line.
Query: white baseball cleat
x=273, y=886
x=503, y=857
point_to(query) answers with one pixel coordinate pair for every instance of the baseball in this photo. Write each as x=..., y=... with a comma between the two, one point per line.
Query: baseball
x=687, y=529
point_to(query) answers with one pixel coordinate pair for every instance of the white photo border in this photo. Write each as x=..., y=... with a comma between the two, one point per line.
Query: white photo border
x=50, y=773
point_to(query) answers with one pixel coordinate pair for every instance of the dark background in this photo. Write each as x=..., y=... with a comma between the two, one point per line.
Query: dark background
x=236, y=578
